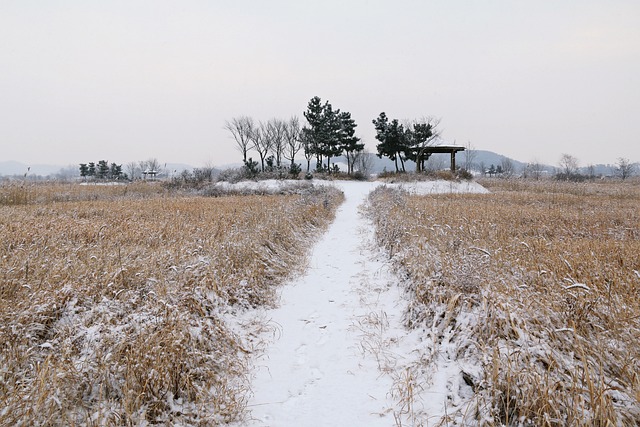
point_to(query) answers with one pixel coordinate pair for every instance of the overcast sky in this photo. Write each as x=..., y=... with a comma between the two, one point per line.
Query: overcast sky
x=130, y=80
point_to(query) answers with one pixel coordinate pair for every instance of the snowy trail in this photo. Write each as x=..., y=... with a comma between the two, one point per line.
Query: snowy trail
x=340, y=348
x=317, y=372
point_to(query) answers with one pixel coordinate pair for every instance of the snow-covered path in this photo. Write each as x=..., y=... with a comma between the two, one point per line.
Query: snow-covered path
x=339, y=349
x=320, y=370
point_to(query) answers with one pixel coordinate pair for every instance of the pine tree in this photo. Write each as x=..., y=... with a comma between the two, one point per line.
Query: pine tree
x=331, y=143
x=392, y=139
x=103, y=169
x=330, y=133
x=417, y=139
x=349, y=143
x=313, y=133
x=115, y=171
x=84, y=170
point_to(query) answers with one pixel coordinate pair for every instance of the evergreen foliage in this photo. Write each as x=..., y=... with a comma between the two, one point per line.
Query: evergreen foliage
x=102, y=171
x=330, y=134
x=404, y=142
x=251, y=167
x=392, y=139
x=350, y=144
x=84, y=170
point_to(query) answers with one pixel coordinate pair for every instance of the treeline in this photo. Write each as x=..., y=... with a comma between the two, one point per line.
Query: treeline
x=329, y=133
x=102, y=170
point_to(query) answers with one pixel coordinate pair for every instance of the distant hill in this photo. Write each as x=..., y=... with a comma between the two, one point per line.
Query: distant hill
x=478, y=160
x=10, y=168
x=487, y=158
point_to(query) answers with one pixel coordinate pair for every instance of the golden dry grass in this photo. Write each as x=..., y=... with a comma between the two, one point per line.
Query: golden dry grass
x=114, y=309
x=538, y=284
x=15, y=193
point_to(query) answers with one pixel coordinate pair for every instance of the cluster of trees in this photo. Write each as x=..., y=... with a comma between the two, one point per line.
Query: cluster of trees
x=134, y=170
x=329, y=133
x=570, y=169
x=102, y=170
x=624, y=168
x=405, y=141
x=273, y=141
x=143, y=169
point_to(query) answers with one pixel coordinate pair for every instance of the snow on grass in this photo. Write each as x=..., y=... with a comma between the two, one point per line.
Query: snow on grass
x=439, y=187
x=269, y=186
x=113, y=311
x=527, y=301
x=123, y=304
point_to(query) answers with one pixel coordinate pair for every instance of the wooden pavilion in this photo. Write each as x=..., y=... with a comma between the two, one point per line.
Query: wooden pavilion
x=451, y=149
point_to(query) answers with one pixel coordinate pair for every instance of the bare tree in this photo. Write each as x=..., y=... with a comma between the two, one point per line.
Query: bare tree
x=153, y=165
x=150, y=167
x=293, y=142
x=533, y=170
x=469, y=156
x=261, y=142
x=624, y=168
x=241, y=128
x=569, y=165
x=142, y=164
x=308, y=147
x=483, y=168
x=364, y=162
x=507, y=167
x=435, y=163
x=132, y=169
x=274, y=131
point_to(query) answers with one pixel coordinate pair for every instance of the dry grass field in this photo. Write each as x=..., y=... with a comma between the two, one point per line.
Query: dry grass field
x=533, y=291
x=114, y=300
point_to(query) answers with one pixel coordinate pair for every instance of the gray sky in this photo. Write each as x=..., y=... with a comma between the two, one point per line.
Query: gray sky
x=126, y=80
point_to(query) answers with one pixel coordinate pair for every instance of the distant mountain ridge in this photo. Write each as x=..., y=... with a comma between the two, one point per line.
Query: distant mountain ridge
x=11, y=168
x=478, y=159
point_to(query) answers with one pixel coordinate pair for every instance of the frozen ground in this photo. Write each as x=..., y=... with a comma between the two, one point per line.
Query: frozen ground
x=335, y=352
